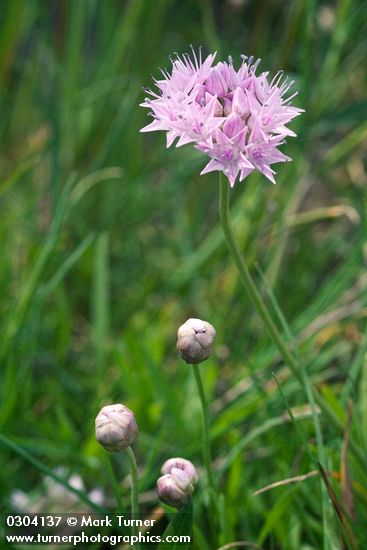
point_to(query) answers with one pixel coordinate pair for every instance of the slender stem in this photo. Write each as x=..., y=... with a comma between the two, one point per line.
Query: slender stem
x=113, y=480
x=206, y=434
x=246, y=278
x=134, y=486
x=213, y=511
x=257, y=300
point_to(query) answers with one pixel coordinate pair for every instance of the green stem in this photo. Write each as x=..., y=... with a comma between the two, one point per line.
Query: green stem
x=257, y=300
x=246, y=278
x=114, y=483
x=134, y=485
x=206, y=434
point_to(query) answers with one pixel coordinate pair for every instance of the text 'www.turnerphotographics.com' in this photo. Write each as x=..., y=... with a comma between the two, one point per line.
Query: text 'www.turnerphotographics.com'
x=92, y=528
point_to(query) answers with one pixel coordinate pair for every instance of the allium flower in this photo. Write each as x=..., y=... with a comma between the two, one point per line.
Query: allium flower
x=175, y=489
x=195, y=340
x=180, y=464
x=237, y=118
x=116, y=428
x=176, y=486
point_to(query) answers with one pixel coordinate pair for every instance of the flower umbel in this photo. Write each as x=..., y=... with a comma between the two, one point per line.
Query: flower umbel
x=237, y=118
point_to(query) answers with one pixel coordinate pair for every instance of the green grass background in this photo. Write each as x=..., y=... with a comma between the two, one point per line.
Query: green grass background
x=109, y=242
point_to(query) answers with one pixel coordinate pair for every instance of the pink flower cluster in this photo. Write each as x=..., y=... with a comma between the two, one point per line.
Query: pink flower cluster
x=235, y=117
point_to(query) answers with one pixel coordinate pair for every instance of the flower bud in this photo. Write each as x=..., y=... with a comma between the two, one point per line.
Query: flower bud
x=175, y=489
x=116, y=428
x=216, y=83
x=183, y=465
x=194, y=340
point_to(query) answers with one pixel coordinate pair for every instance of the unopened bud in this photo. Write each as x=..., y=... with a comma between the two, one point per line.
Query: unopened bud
x=116, y=428
x=195, y=340
x=181, y=464
x=216, y=82
x=175, y=489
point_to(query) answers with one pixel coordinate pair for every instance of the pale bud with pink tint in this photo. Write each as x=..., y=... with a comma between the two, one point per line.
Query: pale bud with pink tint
x=176, y=486
x=116, y=428
x=195, y=340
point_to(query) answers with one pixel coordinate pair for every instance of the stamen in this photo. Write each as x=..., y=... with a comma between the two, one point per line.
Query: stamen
x=188, y=61
x=286, y=88
x=255, y=66
x=275, y=81
x=290, y=97
x=195, y=58
x=165, y=74
x=244, y=58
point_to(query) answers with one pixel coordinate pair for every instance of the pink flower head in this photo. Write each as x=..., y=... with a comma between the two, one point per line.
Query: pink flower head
x=235, y=117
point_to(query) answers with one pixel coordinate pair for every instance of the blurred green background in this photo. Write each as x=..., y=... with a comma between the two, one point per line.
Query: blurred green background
x=109, y=242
